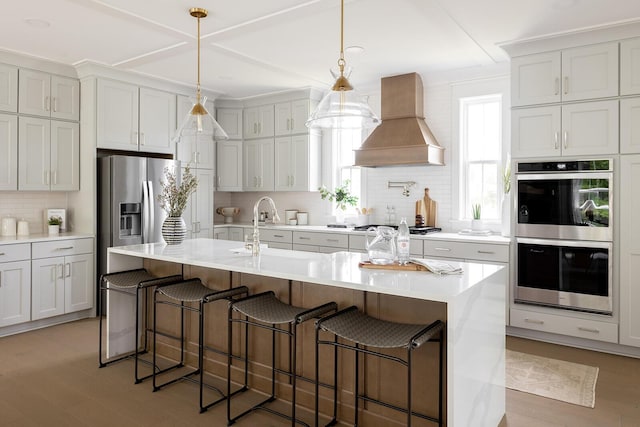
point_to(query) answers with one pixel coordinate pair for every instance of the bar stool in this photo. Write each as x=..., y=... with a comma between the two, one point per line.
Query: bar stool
x=178, y=294
x=266, y=311
x=132, y=283
x=363, y=330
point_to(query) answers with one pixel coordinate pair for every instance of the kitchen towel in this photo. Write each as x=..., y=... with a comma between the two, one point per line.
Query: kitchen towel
x=437, y=267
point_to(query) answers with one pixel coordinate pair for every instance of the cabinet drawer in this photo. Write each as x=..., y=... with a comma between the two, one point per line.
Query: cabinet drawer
x=465, y=250
x=571, y=326
x=19, y=252
x=279, y=245
x=335, y=240
x=270, y=235
x=358, y=244
x=62, y=248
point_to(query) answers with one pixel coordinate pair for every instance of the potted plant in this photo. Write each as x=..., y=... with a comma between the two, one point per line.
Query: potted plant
x=340, y=195
x=54, y=225
x=173, y=200
x=476, y=222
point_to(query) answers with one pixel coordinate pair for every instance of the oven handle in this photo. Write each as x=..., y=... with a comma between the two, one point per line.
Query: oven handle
x=563, y=175
x=569, y=243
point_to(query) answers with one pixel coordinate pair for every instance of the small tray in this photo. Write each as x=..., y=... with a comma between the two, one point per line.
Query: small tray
x=395, y=266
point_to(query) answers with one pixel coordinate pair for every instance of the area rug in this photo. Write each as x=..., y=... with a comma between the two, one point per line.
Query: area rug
x=555, y=379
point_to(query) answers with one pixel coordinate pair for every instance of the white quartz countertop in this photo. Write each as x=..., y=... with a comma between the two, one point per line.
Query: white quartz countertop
x=337, y=269
x=33, y=238
x=491, y=239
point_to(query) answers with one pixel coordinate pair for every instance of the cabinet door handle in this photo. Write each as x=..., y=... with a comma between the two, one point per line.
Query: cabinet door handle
x=279, y=236
x=142, y=139
x=2, y=253
x=566, y=85
x=534, y=321
x=487, y=252
x=557, y=85
x=304, y=238
x=67, y=269
x=292, y=125
x=556, y=137
x=593, y=330
x=442, y=249
x=64, y=248
x=47, y=106
x=197, y=157
x=255, y=128
x=55, y=104
x=61, y=270
x=288, y=121
x=565, y=138
x=333, y=240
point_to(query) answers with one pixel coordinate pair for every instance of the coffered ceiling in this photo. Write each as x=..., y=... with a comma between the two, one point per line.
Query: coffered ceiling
x=252, y=47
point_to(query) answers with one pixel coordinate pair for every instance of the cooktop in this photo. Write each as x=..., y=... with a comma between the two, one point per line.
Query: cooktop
x=412, y=229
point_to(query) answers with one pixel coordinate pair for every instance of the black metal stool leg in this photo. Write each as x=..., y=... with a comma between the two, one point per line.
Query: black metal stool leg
x=409, y=387
x=356, y=386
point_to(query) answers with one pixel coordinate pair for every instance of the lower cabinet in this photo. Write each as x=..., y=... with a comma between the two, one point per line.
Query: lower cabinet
x=15, y=284
x=198, y=215
x=62, y=277
x=221, y=233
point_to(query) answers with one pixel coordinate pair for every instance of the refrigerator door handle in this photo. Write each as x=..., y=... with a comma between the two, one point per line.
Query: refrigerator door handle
x=151, y=206
x=145, y=211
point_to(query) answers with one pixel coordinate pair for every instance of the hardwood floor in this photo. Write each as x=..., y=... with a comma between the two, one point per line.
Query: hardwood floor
x=50, y=377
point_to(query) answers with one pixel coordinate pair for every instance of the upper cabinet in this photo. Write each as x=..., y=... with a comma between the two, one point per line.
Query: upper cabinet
x=290, y=117
x=134, y=119
x=630, y=125
x=49, y=155
x=197, y=152
x=258, y=121
x=630, y=67
x=43, y=94
x=231, y=121
x=8, y=152
x=580, y=73
x=229, y=165
x=258, y=164
x=8, y=88
x=588, y=128
x=297, y=162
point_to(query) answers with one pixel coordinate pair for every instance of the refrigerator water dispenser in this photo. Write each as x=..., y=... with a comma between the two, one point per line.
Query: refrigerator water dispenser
x=130, y=219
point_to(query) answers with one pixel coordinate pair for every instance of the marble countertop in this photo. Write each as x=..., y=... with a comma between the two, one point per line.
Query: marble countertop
x=31, y=238
x=337, y=269
x=492, y=238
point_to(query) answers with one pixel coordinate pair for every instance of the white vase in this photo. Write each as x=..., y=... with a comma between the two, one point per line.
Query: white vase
x=174, y=230
x=54, y=230
x=476, y=224
x=506, y=216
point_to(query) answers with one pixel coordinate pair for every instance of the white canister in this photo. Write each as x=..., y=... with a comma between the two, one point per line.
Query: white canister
x=290, y=214
x=303, y=218
x=23, y=228
x=8, y=226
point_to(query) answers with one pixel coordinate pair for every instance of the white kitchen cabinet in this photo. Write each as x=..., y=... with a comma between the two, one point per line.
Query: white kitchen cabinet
x=357, y=243
x=630, y=67
x=258, y=164
x=8, y=152
x=466, y=251
x=49, y=155
x=237, y=233
x=290, y=117
x=278, y=239
x=589, y=128
x=15, y=284
x=64, y=283
x=198, y=215
x=231, y=121
x=134, y=119
x=199, y=152
x=630, y=125
x=8, y=88
x=581, y=73
x=43, y=94
x=221, y=233
x=258, y=121
x=297, y=162
x=229, y=165
x=629, y=206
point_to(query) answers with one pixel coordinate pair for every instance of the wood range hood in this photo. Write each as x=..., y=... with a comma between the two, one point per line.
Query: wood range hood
x=403, y=138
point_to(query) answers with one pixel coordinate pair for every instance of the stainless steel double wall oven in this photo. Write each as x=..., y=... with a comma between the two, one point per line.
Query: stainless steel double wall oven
x=564, y=234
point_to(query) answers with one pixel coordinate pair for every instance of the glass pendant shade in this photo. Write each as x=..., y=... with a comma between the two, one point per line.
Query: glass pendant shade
x=343, y=109
x=199, y=122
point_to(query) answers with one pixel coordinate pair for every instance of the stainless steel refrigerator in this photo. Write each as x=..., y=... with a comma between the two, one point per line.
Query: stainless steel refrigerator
x=128, y=211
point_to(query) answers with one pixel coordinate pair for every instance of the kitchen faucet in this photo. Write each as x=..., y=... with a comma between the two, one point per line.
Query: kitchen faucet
x=255, y=246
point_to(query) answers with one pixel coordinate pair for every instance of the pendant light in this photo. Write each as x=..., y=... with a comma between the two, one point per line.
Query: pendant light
x=198, y=121
x=342, y=107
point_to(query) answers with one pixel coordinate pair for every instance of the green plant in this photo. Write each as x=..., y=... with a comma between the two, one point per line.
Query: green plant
x=55, y=220
x=174, y=197
x=340, y=195
x=476, y=210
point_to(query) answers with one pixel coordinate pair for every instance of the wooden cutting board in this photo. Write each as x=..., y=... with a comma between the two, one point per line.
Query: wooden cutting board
x=395, y=266
x=429, y=209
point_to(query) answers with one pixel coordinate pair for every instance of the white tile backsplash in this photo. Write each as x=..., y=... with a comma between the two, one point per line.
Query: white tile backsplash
x=31, y=206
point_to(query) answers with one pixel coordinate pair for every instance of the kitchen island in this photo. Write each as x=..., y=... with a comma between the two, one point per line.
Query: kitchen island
x=471, y=304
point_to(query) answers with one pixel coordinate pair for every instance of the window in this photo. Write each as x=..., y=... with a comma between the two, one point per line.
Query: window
x=344, y=142
x=480, y=155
